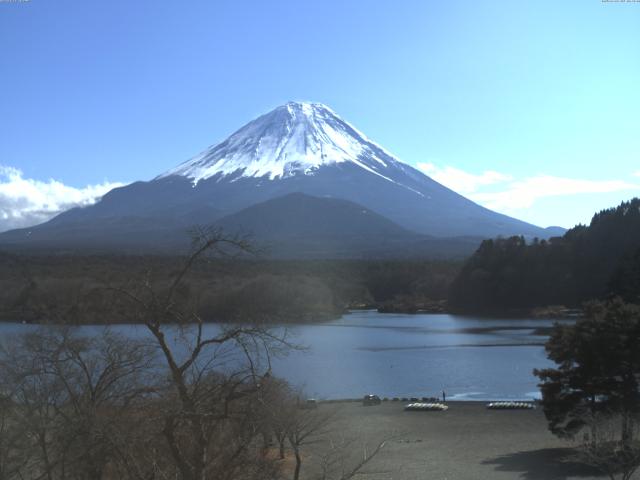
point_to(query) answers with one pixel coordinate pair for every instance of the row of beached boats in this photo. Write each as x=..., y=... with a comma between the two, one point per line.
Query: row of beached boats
x=418, y=406
x=441, y=407
x=510, y=405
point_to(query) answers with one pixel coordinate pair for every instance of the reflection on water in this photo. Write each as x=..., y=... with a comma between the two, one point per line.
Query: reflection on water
x=397, y=355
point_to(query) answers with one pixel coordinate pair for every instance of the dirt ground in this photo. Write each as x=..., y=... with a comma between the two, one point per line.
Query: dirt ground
x=466, y=442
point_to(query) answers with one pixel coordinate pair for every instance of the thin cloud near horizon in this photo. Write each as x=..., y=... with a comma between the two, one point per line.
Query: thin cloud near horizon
x=515, y=196
x=25, y=202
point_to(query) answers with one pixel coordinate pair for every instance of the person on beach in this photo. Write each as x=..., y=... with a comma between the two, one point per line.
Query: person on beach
x=444, y=396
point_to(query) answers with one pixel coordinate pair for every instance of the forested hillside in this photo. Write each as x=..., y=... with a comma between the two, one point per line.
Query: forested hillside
x=82, y=289
x=588, y=262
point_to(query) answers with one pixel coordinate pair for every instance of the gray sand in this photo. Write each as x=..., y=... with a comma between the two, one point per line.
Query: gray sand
x=466, y=442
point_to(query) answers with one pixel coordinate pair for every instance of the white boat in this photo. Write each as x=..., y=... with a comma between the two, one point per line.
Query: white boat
x=426, y=407
x=511, y=405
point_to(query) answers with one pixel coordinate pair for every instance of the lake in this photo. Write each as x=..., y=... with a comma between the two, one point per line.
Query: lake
x=397, y=355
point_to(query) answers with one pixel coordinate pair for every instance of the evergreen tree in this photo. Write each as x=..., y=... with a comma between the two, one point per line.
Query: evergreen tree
x=598, y=370
x=597, y=261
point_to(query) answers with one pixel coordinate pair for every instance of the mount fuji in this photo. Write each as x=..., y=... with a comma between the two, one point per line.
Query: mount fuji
x=299, y=148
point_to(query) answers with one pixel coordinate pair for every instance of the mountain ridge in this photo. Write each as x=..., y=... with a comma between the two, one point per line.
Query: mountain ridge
x=297, y=147
x=300, y=225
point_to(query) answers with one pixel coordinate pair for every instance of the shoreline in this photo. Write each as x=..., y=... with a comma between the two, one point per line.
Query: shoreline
x=405, y=400
x=318, y=320
x=550, y=312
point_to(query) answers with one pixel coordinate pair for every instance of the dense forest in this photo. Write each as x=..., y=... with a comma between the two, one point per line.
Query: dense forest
x=588, y=262
x=84, y=289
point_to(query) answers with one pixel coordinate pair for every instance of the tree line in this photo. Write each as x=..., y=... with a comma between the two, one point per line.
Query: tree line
x=81, y=289
x=588, y=262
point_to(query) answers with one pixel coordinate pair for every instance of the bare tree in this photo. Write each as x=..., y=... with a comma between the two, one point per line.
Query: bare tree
x=311, y=433
x=214, y=373
x=14, y=453
x=186, y=402
x=337, y=463
x=274, y=408
x=189, y=401
x=305, y=427
x=70, y=395
x=612, y=444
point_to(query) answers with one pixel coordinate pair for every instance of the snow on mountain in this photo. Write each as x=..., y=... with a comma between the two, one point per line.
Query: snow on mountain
x=296, y=138
x=298, y=148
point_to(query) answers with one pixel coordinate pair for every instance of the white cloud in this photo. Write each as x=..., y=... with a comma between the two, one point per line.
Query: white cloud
x=461, y=181
x=524, y=193
x=515, y=196
x=25, y=202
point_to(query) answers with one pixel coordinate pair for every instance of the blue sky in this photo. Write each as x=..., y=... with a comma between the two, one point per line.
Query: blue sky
x=528, y=107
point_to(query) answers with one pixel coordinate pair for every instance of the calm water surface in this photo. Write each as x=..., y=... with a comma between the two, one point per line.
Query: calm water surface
x=397, y=355
x=419, y=355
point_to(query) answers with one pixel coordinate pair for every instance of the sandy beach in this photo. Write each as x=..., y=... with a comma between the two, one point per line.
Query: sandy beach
x=466, y=442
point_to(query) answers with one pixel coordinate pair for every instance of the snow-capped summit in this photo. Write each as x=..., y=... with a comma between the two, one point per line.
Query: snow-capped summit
x=260, y=180
x=295, y=138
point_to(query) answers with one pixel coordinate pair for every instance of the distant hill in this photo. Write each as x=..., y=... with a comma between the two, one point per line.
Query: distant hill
x=300, y=215
x=303, y=226
x=588, y=262
x=294, y=226
x=554, y=232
